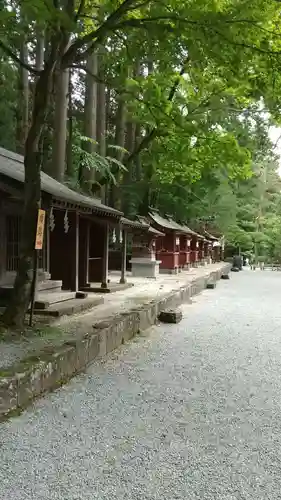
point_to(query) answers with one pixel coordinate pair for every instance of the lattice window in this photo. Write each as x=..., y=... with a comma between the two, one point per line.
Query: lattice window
x=13, y=223
x=12, y=242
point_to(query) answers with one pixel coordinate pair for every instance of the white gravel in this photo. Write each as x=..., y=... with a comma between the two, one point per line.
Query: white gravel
x=191, y=411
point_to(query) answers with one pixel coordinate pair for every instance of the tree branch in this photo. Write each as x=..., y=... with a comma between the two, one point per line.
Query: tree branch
x=245, y=45
x=81, y=67
x=94, y=38
x=17, y=59
x=80, y=10
x=146, y=23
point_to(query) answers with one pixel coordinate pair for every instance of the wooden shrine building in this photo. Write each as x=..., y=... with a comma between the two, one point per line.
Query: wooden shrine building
x=134, y=248
x=144, y=260
x=217, y=246
x=75, y=249
x=190, y=243
x=181, y=247
x=167, y=246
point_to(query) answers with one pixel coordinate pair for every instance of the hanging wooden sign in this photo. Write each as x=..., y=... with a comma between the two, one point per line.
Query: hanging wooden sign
x=40, y=229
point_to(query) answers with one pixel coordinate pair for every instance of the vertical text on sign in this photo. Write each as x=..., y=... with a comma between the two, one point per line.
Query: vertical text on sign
x=40, y=229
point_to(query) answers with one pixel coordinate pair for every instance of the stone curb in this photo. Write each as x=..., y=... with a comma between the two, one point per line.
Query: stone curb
x=54, y=367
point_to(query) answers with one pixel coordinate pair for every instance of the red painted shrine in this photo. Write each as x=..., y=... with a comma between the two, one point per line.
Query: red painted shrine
x=167, y=246
x=144, y=261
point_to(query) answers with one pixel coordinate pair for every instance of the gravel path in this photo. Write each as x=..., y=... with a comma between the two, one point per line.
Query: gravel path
x=143, y=291
x=191, y=411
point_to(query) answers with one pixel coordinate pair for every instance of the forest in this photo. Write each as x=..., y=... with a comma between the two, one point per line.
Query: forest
x=142, y=103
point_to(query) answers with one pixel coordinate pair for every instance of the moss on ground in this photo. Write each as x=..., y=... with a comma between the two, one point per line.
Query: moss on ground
x=10, y=335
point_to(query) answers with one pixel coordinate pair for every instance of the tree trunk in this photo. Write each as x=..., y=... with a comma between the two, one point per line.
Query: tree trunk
x=101, y=113
x=14, y=314
x=39, y=53
x=146, y=200
x=23, y=99
x=120, y=123
x=69, y=159
x=130, y=177
x=60, y=125
x=138, y=159
x=129, y=174
x=90, y=118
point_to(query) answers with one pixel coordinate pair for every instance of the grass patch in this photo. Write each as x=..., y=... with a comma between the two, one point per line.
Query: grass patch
x=37, y=331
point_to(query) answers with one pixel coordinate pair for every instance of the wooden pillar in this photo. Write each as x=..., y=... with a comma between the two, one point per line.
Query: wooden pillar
x=83, y=252
x=47, y=229
x=104, y=283
x=124, y=257
x=2, y=243
x=87, y=250
x=75, y=255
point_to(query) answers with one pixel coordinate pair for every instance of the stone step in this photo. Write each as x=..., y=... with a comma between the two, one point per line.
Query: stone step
x=47, y=299
x=111, y=287
x=68, y=307
x=49, y=285
x=43, y=275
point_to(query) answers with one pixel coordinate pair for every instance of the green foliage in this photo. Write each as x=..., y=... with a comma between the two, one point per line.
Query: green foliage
x=239, y=239
x=93, y=160
x=8, y=99
x=210, y=141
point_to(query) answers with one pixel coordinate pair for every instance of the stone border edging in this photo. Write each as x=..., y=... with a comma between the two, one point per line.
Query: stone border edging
x=52, y=368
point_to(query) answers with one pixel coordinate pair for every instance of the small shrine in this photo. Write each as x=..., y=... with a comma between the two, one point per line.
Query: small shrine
x=73, y=250
x=195, y=249
x=185, y=246
x=217, y=246
x=144, y=261
x=167, y=246
x=207, y=251
x=202, y=250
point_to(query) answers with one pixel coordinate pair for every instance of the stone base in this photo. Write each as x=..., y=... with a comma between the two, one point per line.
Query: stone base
x=175, y=270
x=225, y=277
x=145, y=267
x=170, y=316
x=235, y=269
x=211, y=285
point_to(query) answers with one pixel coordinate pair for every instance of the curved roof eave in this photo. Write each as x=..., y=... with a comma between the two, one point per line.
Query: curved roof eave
x=12, y=166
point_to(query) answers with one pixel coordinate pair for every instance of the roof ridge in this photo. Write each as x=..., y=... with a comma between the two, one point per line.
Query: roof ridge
x=12, y=167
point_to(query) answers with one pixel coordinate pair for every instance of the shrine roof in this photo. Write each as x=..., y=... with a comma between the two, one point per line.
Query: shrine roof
x=210, y=236
x=172, y=225
x=12, y=166
x=152, y=230
x=140, y=223
x=193, y=233
x=134, y=224
x=166, y=223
